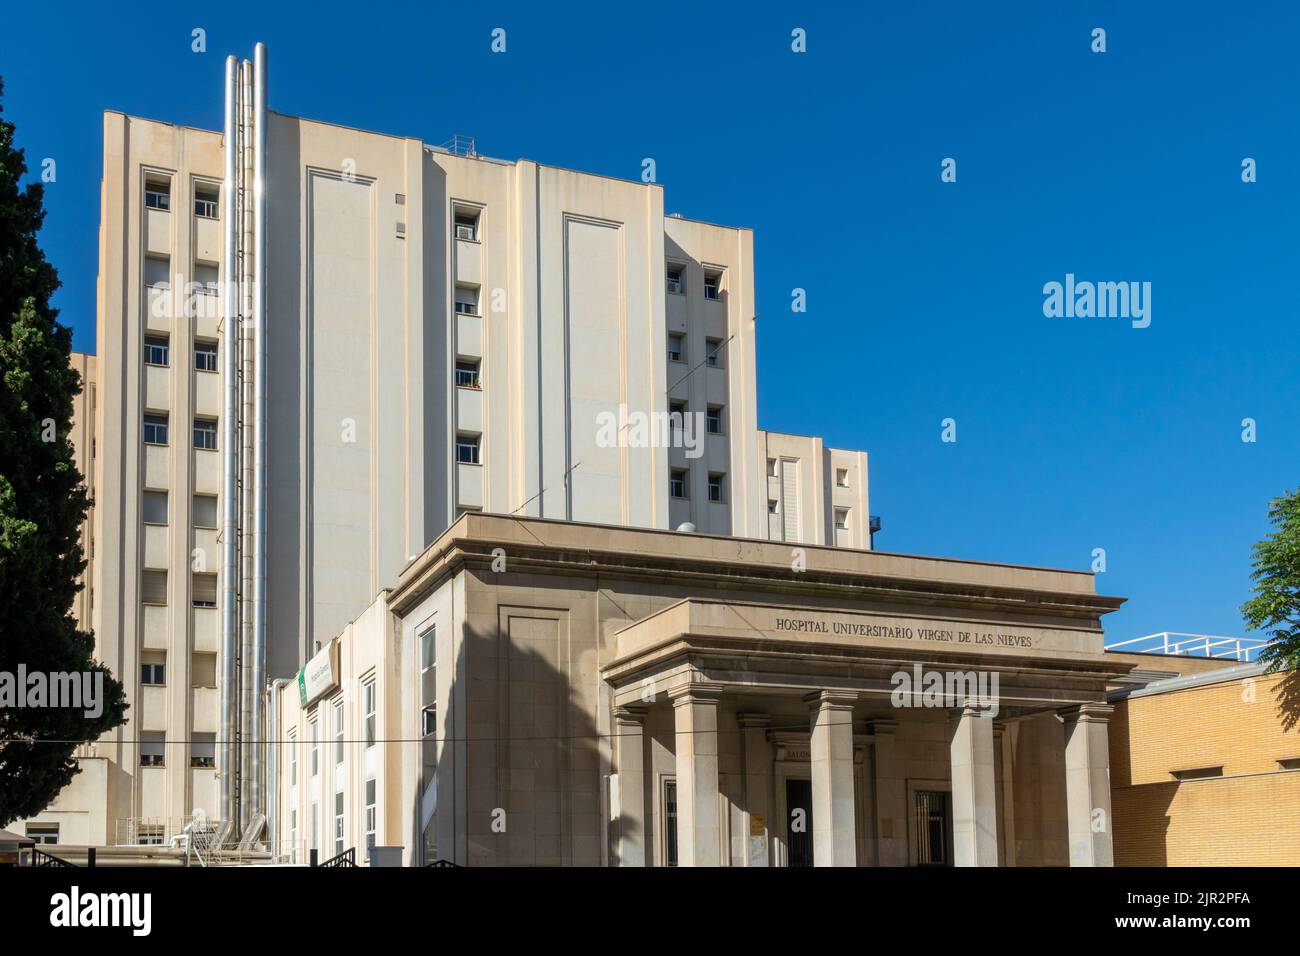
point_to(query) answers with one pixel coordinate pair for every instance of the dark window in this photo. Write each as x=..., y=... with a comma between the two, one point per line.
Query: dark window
x=205, y=356
x=715, y=487
x=205, y=433
x=713, y=420
x=677, y=483
x=467, y=373
x=467, y=449
x=713, y=285
x=155, y=429
x=158, y=195
x=713, y=353
x=155, y=350
x=153, y=672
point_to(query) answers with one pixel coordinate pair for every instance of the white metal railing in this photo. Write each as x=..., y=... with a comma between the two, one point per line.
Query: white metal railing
x=1179, y=644
x=460, y=145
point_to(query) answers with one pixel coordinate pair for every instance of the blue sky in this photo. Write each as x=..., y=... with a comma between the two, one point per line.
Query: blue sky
x=924, y=298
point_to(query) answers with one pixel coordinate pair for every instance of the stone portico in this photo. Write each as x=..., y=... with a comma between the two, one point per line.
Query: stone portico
x=747, y=697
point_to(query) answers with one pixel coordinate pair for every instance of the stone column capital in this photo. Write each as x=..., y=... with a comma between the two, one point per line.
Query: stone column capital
x=1096, y=713
x=754, y=719
x=691, y=694
x=970, y=709
x=630, y=714
x=834, y=699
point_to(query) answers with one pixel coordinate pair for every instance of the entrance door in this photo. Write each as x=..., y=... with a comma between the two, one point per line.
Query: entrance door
x=798, y=808
x=933, y=828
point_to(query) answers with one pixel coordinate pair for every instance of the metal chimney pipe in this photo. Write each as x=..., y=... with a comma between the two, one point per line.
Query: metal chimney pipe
x=230, y=446
x=246, y=441
x=257, y=731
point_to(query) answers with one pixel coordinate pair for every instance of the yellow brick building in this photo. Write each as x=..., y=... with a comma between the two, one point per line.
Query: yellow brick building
x=1204, y=768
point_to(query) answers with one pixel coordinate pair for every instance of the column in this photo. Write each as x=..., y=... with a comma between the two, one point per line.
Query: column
x=629, y=723
x=1002, y=737
x=974, y=793
x=890, y=796
x=695, y=714
x=831, y=751
x=757, y=755
x=1087, y=785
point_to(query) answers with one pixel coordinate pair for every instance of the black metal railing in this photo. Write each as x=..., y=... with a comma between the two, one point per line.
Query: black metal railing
x=41, y=858
x=347, y=858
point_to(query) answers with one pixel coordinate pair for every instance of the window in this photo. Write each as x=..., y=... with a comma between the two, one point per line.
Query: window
x=677, y=415
x=153, y=668
x=467, y=224
x=203, y=751
x=677, y=280
x=338, y=731
x=150, y=834
x=205, y=434
x=153, y=587
x=315, y=822
x=206, y=201
x=677, y=483
x=152, y=743
x=842, y=477
x=713, y=353
x=368, y=708
x=370, y=812
x=429, y=720
x=314, y=741
x=205, y=511
x=427, y=649
x=154, y=507
x=204, y=589
x=771, y=468
x=158, y=194
x=1197, y=773
x=841, y=519
x=676, y=347
x=1289, y=763
x=205, y=356
x=203, y=669
x=467, y=449
x=338, y=822
x=157, y=271
x=155, y=429
x=466, y=300
x=713, y=285
x=293, y=758
x=713, y=420
x=715, y=486
x=155, y=350
x=771, y=506
x=467, y=373
x=43, y=833
x=670, y=821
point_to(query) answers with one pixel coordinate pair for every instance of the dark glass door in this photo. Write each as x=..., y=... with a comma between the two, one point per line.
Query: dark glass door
x=799, y=822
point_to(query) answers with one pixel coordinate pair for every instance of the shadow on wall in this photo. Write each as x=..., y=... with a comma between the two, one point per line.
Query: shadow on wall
x=524, y=753
x=1288, y=700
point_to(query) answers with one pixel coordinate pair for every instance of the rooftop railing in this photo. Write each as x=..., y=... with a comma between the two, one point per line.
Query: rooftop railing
x=1178, y=644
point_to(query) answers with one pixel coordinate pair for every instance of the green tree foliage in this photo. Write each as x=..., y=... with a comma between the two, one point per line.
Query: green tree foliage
x=1275, y=608
x=42, y=504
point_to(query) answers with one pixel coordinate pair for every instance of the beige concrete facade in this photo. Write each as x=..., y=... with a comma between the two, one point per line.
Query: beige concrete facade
x=555, y=693
x=419, y=302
